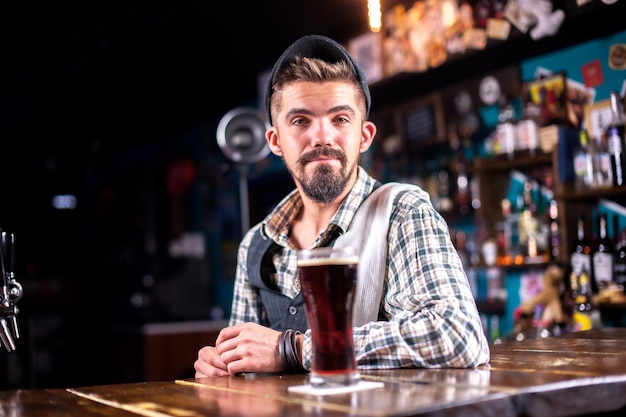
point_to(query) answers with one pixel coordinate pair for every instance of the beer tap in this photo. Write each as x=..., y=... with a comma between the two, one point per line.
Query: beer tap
x=10, y=293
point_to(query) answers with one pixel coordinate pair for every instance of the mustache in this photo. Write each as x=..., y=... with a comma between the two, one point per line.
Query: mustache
x=317, y=152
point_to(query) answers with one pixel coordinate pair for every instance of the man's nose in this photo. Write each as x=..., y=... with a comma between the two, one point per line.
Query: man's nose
x=322, y=133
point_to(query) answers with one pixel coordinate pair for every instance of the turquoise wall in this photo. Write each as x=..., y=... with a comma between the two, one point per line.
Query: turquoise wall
x=572, y=59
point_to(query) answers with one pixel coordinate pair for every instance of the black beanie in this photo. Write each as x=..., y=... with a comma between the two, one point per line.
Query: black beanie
x=320, y=47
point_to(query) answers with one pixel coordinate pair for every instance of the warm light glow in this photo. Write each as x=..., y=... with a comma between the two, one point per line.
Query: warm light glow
x=374, y=15
x=448, y=13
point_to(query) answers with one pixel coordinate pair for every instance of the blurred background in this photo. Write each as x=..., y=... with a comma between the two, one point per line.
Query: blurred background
x=126, y=213
x=112, y=108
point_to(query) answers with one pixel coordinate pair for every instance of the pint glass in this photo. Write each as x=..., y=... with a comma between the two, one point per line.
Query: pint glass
x=328, y=281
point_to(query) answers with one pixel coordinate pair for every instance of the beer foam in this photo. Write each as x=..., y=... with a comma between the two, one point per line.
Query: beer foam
x=342, y=260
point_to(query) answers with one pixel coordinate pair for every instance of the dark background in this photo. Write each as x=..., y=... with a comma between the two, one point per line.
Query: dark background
x=99, y=99
x=91, y=88
x=126, y=72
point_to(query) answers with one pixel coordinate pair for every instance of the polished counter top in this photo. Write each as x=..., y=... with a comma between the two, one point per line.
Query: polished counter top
x=581, y=373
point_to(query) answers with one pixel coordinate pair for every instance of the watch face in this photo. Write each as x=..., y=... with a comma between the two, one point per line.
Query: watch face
x=489, y=90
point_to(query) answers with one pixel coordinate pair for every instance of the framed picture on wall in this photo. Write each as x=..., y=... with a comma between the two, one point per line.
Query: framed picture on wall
x=597, y=118
x=577, y=98
x=544, y=99
x=421, y=122
x=367, y=51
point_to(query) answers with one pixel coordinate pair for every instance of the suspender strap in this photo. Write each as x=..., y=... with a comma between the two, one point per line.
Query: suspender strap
x=368, y=234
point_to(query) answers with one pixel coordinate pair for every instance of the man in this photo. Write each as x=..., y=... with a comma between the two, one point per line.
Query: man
x=318, y=102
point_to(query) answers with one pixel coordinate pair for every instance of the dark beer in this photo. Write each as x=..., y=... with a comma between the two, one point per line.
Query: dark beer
x=328, y=286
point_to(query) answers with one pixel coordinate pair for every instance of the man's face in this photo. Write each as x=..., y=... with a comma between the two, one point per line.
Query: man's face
x=319, y=132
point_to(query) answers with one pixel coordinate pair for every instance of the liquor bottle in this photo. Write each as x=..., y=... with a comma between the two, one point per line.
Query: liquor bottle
x=441, y=171
x=554, y=230
x=445, y=199
x=506, y=130
x=504, y=237
x=582, y=315
x=528, y=131
x=617, y=114
x=619, y=268
x=529, y=225
x=583, y=162
x=580, y=258
x=573, y=286
x=527, y=136
x=615, y=140
x=462, y=197
x=603, y=255
x=617, y=156
x=603, y=171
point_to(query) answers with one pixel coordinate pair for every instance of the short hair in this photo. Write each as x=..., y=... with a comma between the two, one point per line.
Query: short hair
x=322, y=48
x=314, y=70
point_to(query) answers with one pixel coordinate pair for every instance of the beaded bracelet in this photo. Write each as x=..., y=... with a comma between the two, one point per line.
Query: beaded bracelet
x=288, y=352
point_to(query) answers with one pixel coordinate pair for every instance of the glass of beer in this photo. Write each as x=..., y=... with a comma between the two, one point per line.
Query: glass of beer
x=328, y=281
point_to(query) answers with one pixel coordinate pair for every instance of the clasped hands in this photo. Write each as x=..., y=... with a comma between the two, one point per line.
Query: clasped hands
x=246, y=347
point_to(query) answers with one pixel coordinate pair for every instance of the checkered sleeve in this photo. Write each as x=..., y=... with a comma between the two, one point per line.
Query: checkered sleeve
x=433, y=321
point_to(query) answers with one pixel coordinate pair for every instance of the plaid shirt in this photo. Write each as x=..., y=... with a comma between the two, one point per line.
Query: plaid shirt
x=432, y=317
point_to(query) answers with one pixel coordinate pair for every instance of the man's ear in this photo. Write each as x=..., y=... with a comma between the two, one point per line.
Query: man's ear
x=368, y=131
x=271, y=135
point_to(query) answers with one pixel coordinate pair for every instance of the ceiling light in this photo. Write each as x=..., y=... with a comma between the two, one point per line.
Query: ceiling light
x=374, y=15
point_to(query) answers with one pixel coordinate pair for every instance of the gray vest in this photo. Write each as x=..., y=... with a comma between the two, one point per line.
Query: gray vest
x=282, y=312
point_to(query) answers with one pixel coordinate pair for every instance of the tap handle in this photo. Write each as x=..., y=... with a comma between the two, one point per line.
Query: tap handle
x=15, y=330
x=10, y=292
x=5, y=335
x=8, y=253
x=3, y=262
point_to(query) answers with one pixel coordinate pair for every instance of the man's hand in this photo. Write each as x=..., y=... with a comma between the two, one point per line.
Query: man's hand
x=209, y=363
x=247, y=347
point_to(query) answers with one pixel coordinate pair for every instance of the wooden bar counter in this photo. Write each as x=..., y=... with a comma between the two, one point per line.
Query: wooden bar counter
x=581, y=373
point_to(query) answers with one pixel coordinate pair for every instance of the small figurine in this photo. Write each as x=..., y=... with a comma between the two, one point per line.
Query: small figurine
x=526, y=325
x=548, y=21
x=549, y=297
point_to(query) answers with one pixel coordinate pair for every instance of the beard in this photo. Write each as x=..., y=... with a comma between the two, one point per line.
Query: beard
x=325, y=184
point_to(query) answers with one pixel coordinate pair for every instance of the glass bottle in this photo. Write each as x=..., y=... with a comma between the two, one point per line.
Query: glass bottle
x=582, y=316
x=617, y=114
x=554, y=229
x=615, y=140
x=462, y=196
x=603, y=255
x=573, y=286
x=504, y=237
x=529, y=225
x=583, y=162
x=580, y=257
x=619, y=268
x=602, y=163
x=617, y=156
x=506, y=130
